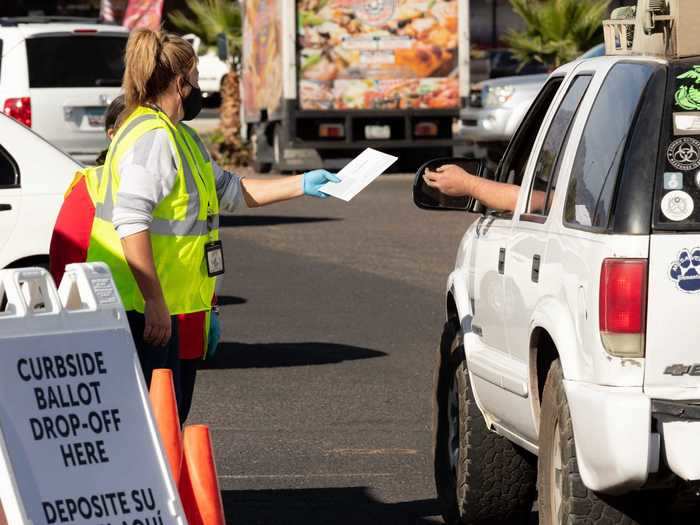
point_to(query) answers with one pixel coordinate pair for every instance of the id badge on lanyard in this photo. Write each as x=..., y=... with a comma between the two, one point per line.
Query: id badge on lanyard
x=213, y=250
x=214, y=256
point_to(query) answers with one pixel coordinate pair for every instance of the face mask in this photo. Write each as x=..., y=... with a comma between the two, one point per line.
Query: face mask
x=192, y=103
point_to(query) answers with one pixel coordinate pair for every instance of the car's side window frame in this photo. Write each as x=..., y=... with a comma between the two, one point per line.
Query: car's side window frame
x=532, y=119
x=542, y=216
x=6, y=156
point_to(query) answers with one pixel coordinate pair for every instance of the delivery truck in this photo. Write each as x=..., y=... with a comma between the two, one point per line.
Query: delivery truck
x=324, y=79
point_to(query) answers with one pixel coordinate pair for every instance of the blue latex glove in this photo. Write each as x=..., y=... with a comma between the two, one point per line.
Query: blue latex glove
x=313, y=180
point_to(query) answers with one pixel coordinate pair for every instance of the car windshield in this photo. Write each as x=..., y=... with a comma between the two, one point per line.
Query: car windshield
x=75, y=61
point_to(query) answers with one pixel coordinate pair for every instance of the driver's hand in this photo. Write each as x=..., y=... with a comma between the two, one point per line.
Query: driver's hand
x=450, y=180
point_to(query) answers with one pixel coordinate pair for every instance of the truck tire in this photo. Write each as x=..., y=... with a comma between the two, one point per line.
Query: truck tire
x=480, y=476
x=259, y=166
x=568, y=501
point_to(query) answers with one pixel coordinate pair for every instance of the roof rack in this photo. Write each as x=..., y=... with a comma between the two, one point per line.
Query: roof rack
x=666, y=28
x=13, y=21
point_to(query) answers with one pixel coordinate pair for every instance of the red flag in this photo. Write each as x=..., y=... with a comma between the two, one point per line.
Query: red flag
x=143, y=13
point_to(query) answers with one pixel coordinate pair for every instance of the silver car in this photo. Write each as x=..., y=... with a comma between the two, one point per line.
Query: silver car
x=496, y=107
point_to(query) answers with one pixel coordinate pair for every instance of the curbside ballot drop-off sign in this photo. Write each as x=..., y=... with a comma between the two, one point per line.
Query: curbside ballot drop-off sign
x=78, y=442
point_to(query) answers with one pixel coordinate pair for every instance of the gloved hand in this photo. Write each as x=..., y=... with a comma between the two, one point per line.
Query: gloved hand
x=313, y=180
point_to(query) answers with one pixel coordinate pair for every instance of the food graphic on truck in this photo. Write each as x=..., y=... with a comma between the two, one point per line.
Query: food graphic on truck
x=322, y=79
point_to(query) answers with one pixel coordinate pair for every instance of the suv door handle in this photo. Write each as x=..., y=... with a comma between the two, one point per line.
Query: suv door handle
x=502, y=261
x=535, y=276
x=5, y=207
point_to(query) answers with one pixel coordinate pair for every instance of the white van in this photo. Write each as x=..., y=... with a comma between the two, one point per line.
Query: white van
x=58, y=75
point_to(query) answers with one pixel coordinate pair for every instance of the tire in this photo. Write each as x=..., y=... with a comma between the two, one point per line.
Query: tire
x=277, y=152
x=480, y=476
x=570, y=502
x=258, y=166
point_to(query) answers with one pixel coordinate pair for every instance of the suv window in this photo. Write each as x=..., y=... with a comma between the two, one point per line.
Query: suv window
x=546, y=173
x=598, y=160
x=512, y=166
x=9, y=174
x=75, y=61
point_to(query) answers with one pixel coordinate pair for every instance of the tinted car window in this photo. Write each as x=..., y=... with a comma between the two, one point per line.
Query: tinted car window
x=599, y=157
x=9, y=176
x=75, y=61
x=547, y=168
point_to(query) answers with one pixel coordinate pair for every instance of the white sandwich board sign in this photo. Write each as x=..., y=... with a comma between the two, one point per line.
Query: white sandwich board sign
x=78, y=441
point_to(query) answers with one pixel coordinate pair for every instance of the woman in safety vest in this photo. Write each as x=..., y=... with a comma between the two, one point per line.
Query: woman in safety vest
x=157, y=205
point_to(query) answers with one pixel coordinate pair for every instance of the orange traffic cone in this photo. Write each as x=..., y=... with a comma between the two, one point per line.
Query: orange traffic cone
x=164, y=405
x=199, y=485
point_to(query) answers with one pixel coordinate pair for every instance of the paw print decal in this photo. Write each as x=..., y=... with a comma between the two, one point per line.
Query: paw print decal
x=686, y=271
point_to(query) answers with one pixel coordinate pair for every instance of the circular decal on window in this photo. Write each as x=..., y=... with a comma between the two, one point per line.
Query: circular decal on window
x=684, y=154
x=677, y=206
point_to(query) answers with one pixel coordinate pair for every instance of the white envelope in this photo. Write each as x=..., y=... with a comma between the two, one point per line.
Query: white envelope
x=358, y=174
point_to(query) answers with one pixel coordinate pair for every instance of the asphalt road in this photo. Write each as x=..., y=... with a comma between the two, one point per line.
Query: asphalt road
x=319, y=400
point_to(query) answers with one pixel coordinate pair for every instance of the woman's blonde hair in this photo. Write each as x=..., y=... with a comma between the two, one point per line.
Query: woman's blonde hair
x=153, y=59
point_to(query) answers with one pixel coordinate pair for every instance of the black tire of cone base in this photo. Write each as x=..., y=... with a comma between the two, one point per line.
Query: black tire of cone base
x=579, y=505
x=494, y=480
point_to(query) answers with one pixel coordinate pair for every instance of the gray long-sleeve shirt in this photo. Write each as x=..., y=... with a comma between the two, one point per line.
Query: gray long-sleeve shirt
x=148, y=174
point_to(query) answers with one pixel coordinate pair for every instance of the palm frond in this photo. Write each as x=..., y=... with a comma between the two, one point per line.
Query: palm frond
x=209, y=18
x=556, y=31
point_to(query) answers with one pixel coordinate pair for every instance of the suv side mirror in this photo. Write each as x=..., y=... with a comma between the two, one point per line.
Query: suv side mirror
x=222, y=47
x=428, y=198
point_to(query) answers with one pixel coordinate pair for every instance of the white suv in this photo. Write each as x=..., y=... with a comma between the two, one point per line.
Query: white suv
x=569, y=359
x=58, y=75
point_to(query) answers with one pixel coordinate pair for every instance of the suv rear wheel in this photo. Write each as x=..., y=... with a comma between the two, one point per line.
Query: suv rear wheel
x=480, y=476
x=563, y=498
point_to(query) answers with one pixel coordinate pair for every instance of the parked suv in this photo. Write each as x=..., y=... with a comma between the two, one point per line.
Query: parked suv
x=569, y=361
x=57, y=76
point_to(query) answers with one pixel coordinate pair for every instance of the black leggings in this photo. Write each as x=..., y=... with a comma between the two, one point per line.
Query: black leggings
x=168, y=356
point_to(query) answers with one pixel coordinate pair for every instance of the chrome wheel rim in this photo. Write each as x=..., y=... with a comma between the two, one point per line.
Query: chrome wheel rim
x=453, y=424
x=556, y=476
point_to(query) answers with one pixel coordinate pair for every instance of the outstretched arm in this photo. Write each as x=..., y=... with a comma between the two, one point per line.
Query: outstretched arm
x=268, y=190
x=453, y=181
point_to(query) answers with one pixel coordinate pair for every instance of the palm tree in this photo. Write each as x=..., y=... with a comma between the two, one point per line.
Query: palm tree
x=210, y=19
x=557, y=31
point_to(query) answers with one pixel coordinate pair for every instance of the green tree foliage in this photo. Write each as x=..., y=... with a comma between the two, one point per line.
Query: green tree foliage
x=209, y=18
x=557, y=31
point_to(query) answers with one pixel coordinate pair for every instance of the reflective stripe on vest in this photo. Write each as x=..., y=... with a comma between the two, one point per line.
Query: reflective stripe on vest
x=180, y=228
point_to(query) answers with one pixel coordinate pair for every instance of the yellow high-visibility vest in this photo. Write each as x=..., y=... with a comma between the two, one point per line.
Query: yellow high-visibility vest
x=183, y=222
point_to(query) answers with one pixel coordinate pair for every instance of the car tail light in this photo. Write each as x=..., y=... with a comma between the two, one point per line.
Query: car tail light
x=79, y=30
x=19, y=109
x=425, y=129
x=623, y=306
x=331, y=131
